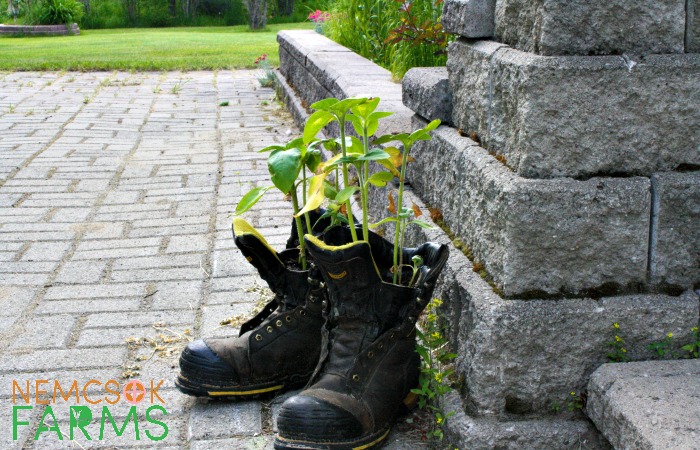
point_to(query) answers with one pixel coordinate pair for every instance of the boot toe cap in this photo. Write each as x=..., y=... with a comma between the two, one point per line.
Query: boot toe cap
x=307, y=418
x=199, y=362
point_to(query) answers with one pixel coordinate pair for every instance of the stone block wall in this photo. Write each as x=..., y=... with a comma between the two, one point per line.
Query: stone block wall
x=568, y=249
x=39, y=30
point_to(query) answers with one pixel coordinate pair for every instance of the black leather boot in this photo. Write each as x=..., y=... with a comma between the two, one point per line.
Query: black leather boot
x=368, y=362
x=276, y=350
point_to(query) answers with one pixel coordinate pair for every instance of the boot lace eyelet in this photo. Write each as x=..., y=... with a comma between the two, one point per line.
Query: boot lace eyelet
x=356, y=377
x=270, y=329
x=370, y=355
x=278, y=323
x=288, y=318
x=302, y=312
x=380, y=346
x=258, y=337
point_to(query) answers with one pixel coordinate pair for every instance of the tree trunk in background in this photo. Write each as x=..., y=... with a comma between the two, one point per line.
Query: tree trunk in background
x=172, y=7
x=131, y=9
x=257, y=13
x=189, y=8
x=87, y=6
x=285, y=7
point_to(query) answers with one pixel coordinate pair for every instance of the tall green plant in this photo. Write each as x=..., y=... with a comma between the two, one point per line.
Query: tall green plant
x=396, y=34
x=58, y=12
x=287, y=165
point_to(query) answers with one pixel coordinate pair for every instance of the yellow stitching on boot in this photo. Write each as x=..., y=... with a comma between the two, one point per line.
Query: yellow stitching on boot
x=241, y=227
x=373, y=443
x=338, y=276
x=257, y=391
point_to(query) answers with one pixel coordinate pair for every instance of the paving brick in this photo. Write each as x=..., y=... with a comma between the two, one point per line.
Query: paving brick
x=46, y=251
x=82, y=272
x=88, y=306
x=42, y=360
x=96, y=291
x=45, y=332
x=212, y=420
x=191, y=243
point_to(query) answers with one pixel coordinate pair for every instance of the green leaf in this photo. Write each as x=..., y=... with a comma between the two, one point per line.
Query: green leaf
x=269, y=148
x=375, y=154
x=402, y=137
x=354, y=145
x=315, y=123
x=365, y=109
x=284, y=166
x=295, y=143
x=343, y=106
x=356, y=123
x=390, y=166
x=346, y=193
x=324, y=104
x=380, y=179
x=313, y=158
x=422, y=224
x=382, y=222
x=250, y=199
x=373, y=121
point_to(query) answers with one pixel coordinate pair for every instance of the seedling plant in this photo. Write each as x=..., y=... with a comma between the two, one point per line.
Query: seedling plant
x=297, y=171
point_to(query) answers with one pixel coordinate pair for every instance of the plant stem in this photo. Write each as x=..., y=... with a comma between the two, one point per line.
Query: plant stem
x=300, y=230
x=364, y=187
x=398, y=255
x=346, y=183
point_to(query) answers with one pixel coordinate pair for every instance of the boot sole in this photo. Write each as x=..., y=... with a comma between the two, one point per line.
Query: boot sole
x=366, y=442
x=195, y=389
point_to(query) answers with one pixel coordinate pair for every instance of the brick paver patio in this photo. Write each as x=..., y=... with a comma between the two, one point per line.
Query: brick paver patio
x=116, y=191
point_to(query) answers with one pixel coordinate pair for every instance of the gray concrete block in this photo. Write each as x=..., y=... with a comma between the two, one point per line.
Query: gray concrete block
x=426, y=90
x=316, y=68
x=582, y=27
x=474, y=433
x=536, y=237
x=647, y=405
x=578, y=116
x=675, y=235
x=522, y=357
x=469, y=18
x=692, y=27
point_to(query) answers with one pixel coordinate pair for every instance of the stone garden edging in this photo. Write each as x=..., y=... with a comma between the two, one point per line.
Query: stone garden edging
x=39, y=30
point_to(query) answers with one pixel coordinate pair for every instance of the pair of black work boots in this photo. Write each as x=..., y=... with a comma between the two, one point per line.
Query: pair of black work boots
x=342, y=329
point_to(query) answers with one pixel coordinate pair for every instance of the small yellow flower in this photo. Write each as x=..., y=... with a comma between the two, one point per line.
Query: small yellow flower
x=432, y=317
x=436, y=335
x=618, y=338
x=616, y=325
x=624, y=350
x=670, y=335
x=437, y=302
x=573, y=394
x=694, y=329
x=439, y=421
x=438, y=377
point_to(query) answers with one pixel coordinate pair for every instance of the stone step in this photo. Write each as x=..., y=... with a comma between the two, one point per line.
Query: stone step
x=652, y=405
x=426, y=90
x=578, y=27
x=578, y=116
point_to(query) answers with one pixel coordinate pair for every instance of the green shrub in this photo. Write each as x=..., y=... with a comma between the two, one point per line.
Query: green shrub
x=57, y=12
x=396, y=34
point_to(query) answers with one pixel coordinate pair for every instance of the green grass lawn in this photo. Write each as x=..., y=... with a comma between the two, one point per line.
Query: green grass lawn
x=200, y=48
